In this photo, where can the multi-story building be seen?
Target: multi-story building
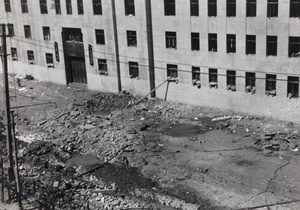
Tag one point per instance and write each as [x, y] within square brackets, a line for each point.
[241, 55]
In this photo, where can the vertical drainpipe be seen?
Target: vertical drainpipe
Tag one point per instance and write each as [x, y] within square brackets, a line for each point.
[150, 47]
[116, 44]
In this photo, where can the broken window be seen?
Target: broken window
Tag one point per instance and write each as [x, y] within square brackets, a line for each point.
[27, 32]
[250, 44]
[129, 7]
[231, 8]
[133, 69]
[270, 84]
[24, 6]
[231, 43]
[14, 53]
[131, 39]
[271, 45]
[102, 66]
[43, 6]
[100, 38]
[293, 87]
[30, 56]
[194, 7]
[250, 82]
[212, 43]
[195, 41]
[49, 60]
[97, 7]
[172, 72]
[212, 8]
[80, 7]
[196, 76]
[294, 46]
[10, 28]
[272, 8]
[213, 78]
[170, 39]
[69, 7]
[170, 7]
[251, 8]
[7, 6]
[57, 7]
[231, 79]
[295, 8]
[46, 33]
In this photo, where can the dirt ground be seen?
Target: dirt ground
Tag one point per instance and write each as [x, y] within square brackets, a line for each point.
[151, 155]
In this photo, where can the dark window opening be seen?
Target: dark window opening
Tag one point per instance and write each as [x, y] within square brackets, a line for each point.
[102, 66]
[49, 60]
[271, 45]
[196, 76]
[250, 44]
[231, 8]
[24, 6]
[30, 56]
[27, 32]
[133, 69]
[212, 42]
[11, 31]
[80, 7]
[14, 53]
[250, 82]
[195, 41]
[46, 33]
[194, 7]
[213, 78]
[57, 7]
[97, 7]
[129, 7]
[172, 72]
[43, 6]
[7, 6]
[251, 8]
[231, 43]
[294, 46]
[69, 7]
[171, 39]
[271, 84]
[170, 7]
[295, 8]
[131, 39]
[73, 35]
[100, 38]
[231, 80]
[212, 8]
[293, 87]
[272, 8]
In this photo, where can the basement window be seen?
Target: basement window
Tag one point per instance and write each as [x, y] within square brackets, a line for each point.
[251, 8]
[170, 7]
[69, 7]
[231, 80]
[49, 60]
[172, 72]
[11, 31]
[14, 54]
[212, 8]
[195, 41]
[194, 7]
[271, 84]
[7, 5]
[27, 31]
[212, 43]
[57, 7]
[133, 69]
[24, 6]
[272, 8]
[80, 7]
[97, 7]
[100, 38]
[102, 66]
[231, 8]
[131, 39]
[293, 87]
[295, 8]
[213, 78]
[196, 76]
[30, 56]
[129, 7]
[294, 46]
[170, 39]
[43, 6]
[231, 42]
[250, 82]
[250, 44]
[271, 45]
[46, 33]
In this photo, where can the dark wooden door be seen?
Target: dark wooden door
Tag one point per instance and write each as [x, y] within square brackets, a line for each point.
[78, 71]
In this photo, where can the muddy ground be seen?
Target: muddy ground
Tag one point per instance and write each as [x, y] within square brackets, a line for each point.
[81, 149]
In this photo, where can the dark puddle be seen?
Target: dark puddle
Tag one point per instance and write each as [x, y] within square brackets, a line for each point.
[82, 160]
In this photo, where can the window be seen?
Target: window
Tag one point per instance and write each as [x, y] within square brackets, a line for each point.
[194, 7]
[212, 8]
[250, 44]
[251, 8]
[57, 7]
[293, 87]
[271, 45]
[172, 72]
[170, 39]
[46, 33]
[49, 60]
[10, 30]
[231, 43]
[294, 46]
[213, 78]
[14, 53]
[212, 43]
[80, 7]
[97, 7]
[43, 6]
[133, 69]
[100, 38]
[231, 79]
[131, 39]
[250, 82]
[272, 8]
[102, 66]
[129, 7]
[295, 8]
[270, 84]
[196, 76]
[170, 7]
[195, 41]
[27, 32]
[24, 6]
[231, 8]
[69, 7]
[30, 56]
[7, 6]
